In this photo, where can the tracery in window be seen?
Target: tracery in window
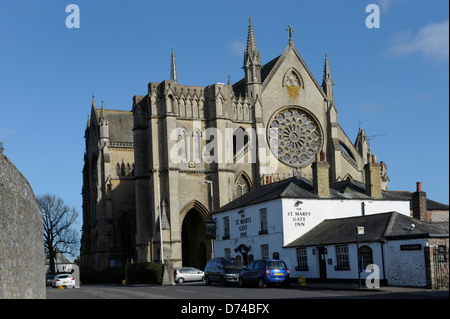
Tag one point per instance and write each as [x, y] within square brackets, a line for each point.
[292, 80]
[293, 84]
[242, 186]
[295, 136]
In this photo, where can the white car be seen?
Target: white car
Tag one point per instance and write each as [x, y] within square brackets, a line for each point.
[188, 274]
[63, 280]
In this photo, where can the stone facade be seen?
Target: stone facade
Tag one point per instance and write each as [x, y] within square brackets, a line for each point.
[22, 258]
[109, 220]
[185, 135]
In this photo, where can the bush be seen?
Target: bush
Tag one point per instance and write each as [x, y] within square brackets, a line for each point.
[145, 273]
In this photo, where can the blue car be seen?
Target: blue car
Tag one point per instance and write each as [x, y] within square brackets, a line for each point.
[265, 272]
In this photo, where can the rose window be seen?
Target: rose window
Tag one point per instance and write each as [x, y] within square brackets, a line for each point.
[295, 136]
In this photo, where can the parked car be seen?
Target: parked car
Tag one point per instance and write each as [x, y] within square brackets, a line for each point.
[188, 274]
[63, 280]
[264, 272]
[49, 280]
[223, 270]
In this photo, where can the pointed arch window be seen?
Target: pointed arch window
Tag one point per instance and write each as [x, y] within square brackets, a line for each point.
[118, 170]
[242, 186]
[184, 145]
[122, 170]
[197, 136]
[292, 79]
[241, 144]
[293, 83]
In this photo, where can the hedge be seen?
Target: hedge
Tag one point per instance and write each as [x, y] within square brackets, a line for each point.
[145, 273]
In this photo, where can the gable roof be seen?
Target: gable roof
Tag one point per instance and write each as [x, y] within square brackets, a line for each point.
[269, 69]
[298, 187]
[377, 227]
[279, 61]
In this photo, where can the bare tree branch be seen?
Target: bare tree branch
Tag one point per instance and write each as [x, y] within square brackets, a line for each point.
[58, 219]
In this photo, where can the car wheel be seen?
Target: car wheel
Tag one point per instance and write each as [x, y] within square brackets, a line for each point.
[207, 282]
[261, 283]
[180, 280]
[241, 282]
[222, 281]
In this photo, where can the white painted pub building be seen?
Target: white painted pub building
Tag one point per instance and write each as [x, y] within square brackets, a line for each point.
[290, 220]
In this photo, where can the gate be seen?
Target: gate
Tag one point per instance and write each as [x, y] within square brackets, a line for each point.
[439, 266]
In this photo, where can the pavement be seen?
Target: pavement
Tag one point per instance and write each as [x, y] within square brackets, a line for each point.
[352, 286]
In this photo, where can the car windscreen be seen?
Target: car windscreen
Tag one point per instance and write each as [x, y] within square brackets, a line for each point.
[232, 264]
[276, 265]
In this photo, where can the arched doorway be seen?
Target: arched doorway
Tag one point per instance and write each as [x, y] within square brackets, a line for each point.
[196, 249]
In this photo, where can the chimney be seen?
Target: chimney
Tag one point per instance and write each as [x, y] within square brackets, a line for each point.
[419, 203]
[321, 180]
[372, 172]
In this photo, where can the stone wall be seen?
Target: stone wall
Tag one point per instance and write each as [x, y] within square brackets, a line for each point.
[22, 260]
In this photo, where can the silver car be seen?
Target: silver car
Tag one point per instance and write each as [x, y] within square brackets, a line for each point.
[188, 274]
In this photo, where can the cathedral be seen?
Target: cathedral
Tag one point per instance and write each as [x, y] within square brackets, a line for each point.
[153, 176]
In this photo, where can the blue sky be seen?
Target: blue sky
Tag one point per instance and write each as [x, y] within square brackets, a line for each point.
[392, 81]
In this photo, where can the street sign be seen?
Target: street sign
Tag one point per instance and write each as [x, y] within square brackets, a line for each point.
[360, 230]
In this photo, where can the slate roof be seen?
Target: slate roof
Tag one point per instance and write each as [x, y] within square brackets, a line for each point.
[120, 125]
[377, 227]
[239, 87]
[298, 187]
[431, 204]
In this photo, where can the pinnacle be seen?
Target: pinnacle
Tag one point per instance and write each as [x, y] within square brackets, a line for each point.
[251, 42]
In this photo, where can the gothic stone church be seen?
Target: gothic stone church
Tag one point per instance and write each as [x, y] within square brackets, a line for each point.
[154, 172]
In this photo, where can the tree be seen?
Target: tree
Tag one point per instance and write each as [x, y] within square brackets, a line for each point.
[58, 220]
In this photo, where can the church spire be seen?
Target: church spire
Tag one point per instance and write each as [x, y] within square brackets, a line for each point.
[173, 68]
[252, 59]
[327, 82]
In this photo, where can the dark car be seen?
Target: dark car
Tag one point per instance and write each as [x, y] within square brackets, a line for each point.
[264, 272]
[224, 270]
[49, 280]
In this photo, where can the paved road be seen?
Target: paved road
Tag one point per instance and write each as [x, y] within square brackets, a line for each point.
[201, 291]
[195, 300]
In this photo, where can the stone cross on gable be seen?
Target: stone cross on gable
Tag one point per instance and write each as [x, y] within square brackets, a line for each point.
[290, 33]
